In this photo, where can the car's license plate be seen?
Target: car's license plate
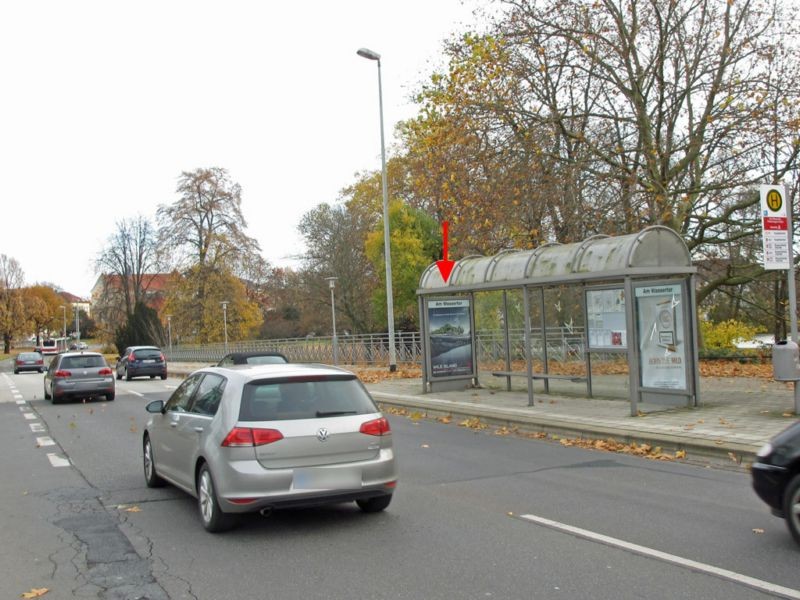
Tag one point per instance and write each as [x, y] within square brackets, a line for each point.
[149, 360]
[327, 479]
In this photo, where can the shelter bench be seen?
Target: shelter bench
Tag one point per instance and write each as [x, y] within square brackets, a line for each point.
[575, 378]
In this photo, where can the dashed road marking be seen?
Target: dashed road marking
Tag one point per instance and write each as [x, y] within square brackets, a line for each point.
[57, 461]
[45, 441]
[37, 428]
[135, 393]
[20, 401]
[750, 582]
[29, 416]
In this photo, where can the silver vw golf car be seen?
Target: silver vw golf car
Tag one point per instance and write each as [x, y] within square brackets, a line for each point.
[254, 438]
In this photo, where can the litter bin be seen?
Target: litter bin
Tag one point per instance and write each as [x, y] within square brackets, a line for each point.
[785, 361]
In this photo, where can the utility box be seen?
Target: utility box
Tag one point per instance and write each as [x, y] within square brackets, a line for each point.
[785, 361]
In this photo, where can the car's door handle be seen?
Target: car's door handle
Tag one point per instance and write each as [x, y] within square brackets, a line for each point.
[199, 429]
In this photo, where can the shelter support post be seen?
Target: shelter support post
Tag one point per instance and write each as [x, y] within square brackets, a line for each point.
[526, 306]
[633, 348]
[506, 339]
[545, 361]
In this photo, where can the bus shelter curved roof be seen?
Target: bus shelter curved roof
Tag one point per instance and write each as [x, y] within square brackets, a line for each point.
[654, 251]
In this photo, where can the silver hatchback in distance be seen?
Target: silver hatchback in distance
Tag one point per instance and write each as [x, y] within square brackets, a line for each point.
[254, 438]
[78, 375]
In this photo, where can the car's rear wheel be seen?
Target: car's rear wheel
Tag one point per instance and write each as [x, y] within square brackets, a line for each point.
[16, 372]
[163, 377]
[791, 507]
[127, 375]
[46, 395]
[214, 520]
[118, 376]
[110, 397]
[151, 477]
[377, 504]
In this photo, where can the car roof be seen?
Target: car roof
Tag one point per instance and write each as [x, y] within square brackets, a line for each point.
[254, 353]
[80, 353]
[247, 373]
[143, 348]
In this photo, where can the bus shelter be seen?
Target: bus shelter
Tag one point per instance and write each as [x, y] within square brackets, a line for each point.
[633, 294]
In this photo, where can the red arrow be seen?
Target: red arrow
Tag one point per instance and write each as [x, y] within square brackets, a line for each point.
[445, 266]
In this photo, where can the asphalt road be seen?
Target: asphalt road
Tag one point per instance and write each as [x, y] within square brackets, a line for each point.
[466, 521]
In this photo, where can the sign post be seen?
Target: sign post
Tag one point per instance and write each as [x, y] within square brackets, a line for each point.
[778, 240]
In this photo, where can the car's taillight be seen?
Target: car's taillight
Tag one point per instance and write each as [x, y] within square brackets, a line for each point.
[131, 357]
[376, 427]
[104, 371]
[40, 362]
[162, 358]
[20, 362]
[246, 436]
[63, 373]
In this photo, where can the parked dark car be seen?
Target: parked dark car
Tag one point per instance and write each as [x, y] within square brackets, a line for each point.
[78, 375]
[28, 361]
[142, 361]
[252, 358]
[776, 477]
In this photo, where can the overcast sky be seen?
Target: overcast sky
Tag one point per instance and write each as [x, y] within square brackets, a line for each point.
[104, 104]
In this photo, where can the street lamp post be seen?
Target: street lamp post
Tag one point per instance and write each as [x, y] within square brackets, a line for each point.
[77, 324]
[225, 322]
[169, 334]
[332, 284]
[371, 55]
[64, 314]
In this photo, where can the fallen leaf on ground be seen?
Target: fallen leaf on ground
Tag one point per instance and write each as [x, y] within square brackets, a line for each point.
[734, 458]
[680, 454]
[473, 423]
[424, 446]
[445, 420]
[35, 593]
[788, 414]
[758, 530]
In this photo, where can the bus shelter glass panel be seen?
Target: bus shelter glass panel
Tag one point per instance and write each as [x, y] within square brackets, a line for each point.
[662, 336]
[605, 311]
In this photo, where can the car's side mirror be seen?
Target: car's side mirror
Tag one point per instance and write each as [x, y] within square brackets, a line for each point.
[156, 406]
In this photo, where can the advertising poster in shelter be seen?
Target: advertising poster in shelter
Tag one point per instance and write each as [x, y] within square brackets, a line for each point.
[605, 310]
[662, 343]
[450, 335]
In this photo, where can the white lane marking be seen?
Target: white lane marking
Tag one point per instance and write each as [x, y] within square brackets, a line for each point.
[57, 461]
[45, 441]
[20, 401]
[24, 408]
[751, 582]
[37, 428]
[171, 387]
[135, 393]
[16, 395]
[29, 416]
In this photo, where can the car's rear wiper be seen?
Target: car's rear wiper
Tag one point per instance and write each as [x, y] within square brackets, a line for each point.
[335, 413]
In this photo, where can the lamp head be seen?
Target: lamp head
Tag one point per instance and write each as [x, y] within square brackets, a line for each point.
[369, 54]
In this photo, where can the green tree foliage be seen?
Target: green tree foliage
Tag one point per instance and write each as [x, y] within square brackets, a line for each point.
[143, 328]
[415, 243]
[335, 237]
[198, 318]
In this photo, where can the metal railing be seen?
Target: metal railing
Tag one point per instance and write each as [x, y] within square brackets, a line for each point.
[563, 344]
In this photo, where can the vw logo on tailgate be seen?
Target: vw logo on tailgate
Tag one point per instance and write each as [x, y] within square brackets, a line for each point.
[322, 434]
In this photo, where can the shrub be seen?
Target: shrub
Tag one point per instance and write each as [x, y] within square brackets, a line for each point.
[723, 335]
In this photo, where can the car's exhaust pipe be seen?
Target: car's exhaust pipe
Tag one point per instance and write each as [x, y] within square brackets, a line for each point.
[266, 511]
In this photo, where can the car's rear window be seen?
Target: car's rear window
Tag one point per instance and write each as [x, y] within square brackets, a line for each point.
[82, 362]
[48, 343]
[147, 353]
[30, 356]
[307, 398]
[265, 360]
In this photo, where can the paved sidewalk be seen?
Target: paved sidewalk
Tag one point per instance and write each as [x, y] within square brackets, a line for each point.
[736, 417]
